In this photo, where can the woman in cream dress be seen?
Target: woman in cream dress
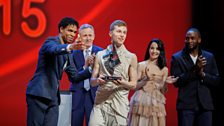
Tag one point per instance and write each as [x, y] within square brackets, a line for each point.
[148, 102]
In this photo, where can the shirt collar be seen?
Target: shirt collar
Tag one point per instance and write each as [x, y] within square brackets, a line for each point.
[90, 50]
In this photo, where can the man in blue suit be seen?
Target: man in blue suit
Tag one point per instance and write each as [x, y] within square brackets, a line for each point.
[42, 94]
[197, 72]
[83, 94]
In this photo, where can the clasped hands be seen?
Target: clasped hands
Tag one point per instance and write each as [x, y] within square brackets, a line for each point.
[201, 62]
[89, 60]
[169, 79]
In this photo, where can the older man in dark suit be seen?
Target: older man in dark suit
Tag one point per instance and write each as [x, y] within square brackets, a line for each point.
[197, 72]
[83, 93]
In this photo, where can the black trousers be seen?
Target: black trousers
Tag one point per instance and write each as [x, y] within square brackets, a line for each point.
[194, 118]
[41, 111]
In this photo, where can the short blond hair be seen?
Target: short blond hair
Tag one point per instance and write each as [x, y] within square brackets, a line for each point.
[117, 23]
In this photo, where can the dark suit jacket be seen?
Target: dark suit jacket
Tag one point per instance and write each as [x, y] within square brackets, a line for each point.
[51, 60]
[79, 63]
[193, 91]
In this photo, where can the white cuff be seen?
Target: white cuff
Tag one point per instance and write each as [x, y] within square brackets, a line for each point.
[68, 48]
[90, 69]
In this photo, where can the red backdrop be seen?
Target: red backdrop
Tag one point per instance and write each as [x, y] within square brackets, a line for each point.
[25, 24]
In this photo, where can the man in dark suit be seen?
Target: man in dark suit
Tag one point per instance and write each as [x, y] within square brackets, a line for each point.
[42, 94]
[83, 94]
[197, 72]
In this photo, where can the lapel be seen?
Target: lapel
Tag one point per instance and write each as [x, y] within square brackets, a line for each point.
[93, 49]
[187, 61]
[70, 58]
[80, 61]
[79, 57]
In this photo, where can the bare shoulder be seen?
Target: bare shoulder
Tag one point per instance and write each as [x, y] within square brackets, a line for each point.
[134, 59]
[141, 66]
[100, 53]
[142, 63]
[134, 56]
[165, 70]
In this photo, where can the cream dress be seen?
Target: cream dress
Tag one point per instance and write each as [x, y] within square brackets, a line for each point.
[148, 103]
[111, 105]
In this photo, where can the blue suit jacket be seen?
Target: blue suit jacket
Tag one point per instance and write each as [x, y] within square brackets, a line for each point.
[79, 63]
[51, 60]
[192, 89]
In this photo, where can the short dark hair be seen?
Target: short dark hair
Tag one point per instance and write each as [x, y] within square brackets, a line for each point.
[117, 23]
[67, 21]
[162, 57]
[195, 30]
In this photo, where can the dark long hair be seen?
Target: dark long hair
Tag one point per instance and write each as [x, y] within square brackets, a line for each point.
[161, 59]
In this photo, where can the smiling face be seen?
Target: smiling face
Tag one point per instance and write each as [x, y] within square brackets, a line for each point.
[68, 33]
[192, 40]
[87, 36]
[118, 35]
[154, 51]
